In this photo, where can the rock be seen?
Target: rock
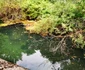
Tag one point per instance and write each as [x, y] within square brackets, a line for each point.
[4, 65]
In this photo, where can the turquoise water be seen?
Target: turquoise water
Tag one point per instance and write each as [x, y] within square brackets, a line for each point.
[33, 51]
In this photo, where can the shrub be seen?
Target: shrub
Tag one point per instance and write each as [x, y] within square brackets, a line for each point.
[10, 10]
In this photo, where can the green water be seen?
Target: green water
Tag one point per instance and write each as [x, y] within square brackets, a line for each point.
[33, 51]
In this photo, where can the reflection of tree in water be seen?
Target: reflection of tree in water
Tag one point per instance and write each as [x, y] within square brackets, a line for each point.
[75, 64]
[74, 55]
[14, 40]
[45, 45]
[3, 38]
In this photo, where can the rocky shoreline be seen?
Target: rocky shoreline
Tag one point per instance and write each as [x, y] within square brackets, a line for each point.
[5, 65]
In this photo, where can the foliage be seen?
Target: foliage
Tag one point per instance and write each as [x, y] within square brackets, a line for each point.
[36, 9]
[61, 18]
[52, 16]
[79, 41]
[10, 10]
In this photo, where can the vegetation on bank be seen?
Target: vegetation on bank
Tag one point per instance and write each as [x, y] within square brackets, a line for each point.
[53, 17]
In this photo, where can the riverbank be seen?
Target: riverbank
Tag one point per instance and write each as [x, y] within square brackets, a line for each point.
[77, 35]
[5, 65]
[24, 22]
[29, 25]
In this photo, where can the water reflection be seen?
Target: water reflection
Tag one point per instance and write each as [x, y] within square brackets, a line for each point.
[35, 52]
[12, 39]
[37, 62]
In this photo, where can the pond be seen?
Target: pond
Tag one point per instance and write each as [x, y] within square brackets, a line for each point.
[33, 51]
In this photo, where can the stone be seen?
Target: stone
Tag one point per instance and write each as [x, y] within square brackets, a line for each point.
[5, 65]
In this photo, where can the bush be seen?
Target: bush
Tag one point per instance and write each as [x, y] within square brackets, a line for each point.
[10, 10]
[59, 13]
[36, 9]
